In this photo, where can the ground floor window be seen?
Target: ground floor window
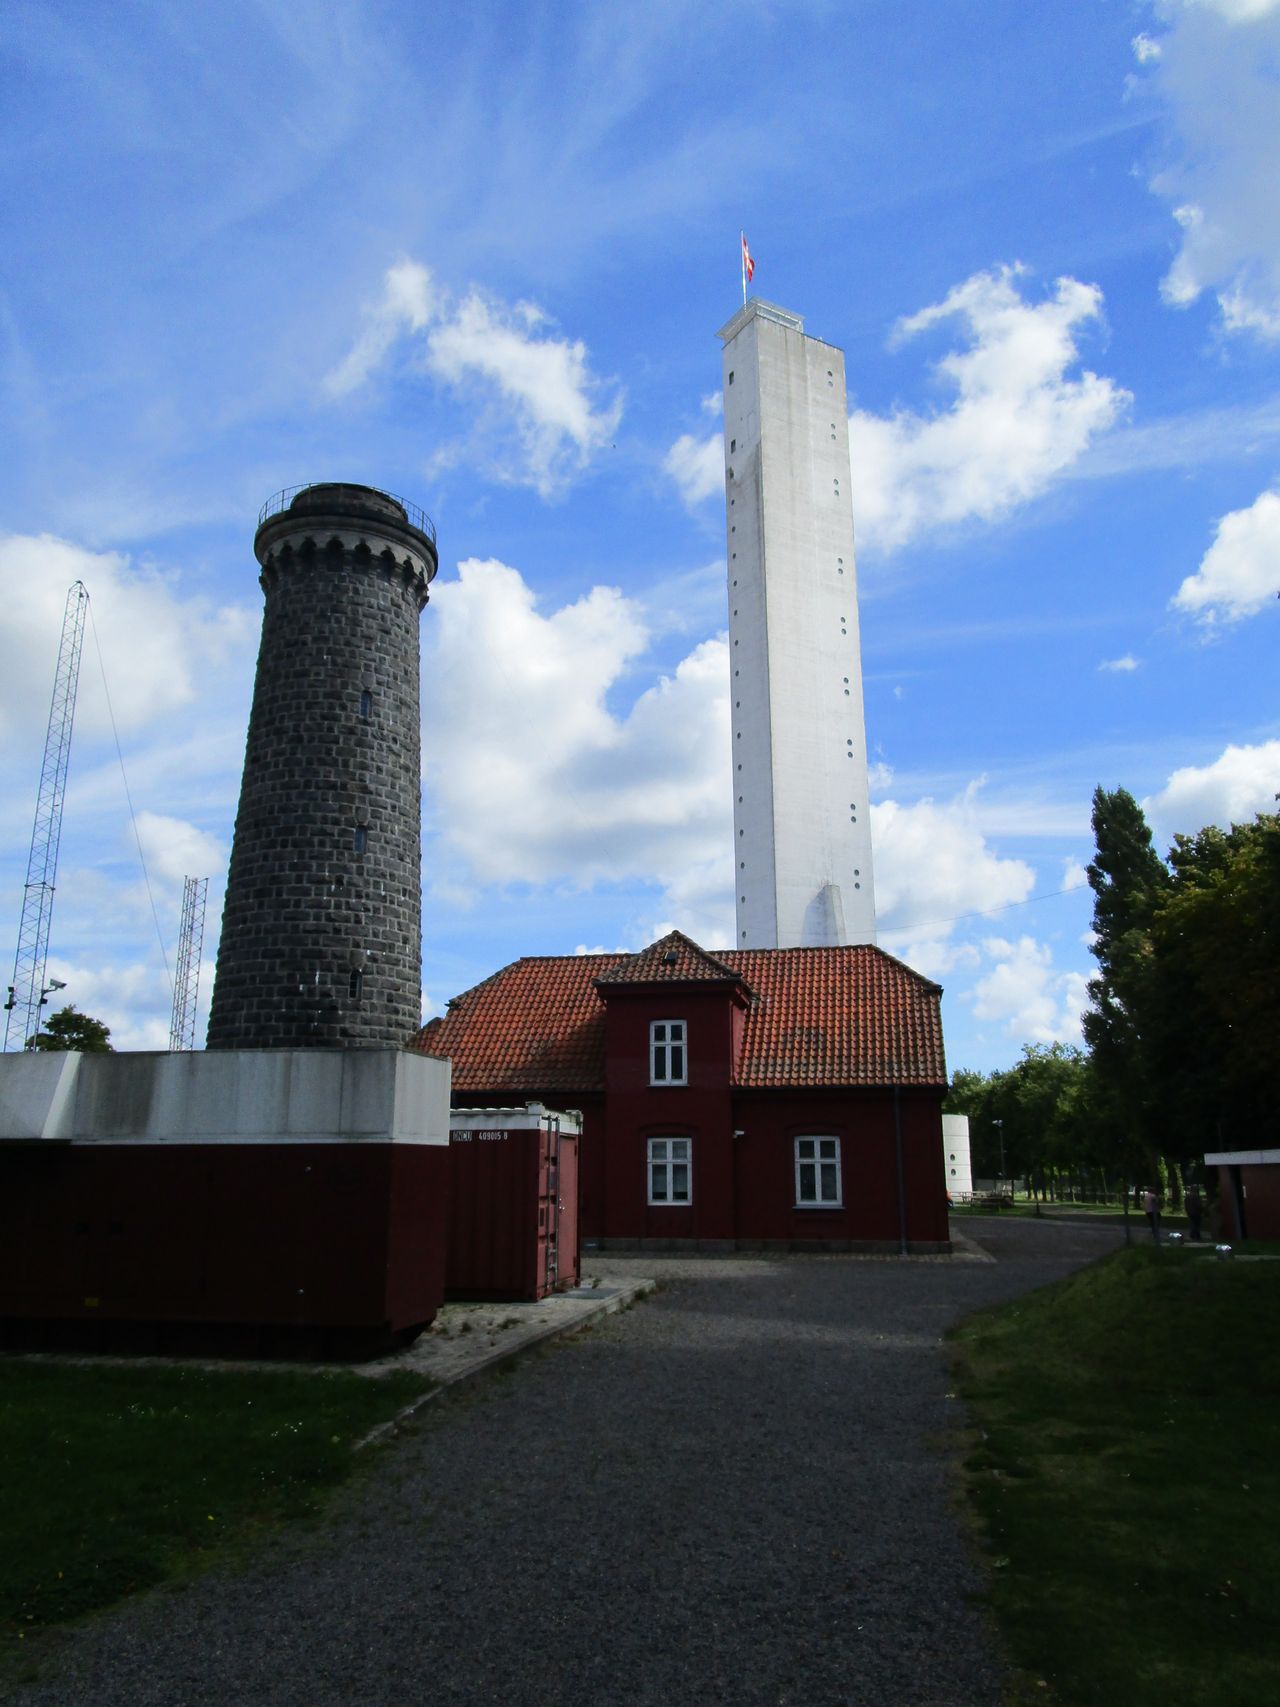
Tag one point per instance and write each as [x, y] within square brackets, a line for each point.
[670, 1173]
[818, 1173]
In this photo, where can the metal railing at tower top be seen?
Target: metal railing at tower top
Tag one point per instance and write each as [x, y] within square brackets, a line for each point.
[281, 501]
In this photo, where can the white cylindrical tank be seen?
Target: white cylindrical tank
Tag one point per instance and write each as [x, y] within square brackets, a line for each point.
[955, 1157]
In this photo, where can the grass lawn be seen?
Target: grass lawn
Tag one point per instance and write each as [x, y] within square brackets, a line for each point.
[120, 1478]
[1125, 1474]
[1026, 1206]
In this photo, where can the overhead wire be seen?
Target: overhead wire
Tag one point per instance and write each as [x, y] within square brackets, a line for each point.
[989, 912]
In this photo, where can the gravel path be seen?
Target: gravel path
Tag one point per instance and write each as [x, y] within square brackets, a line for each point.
[733, 1493]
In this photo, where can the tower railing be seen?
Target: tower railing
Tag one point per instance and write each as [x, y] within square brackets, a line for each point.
[280, 501]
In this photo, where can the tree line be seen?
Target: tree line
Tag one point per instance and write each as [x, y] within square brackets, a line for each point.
[1182, 1028]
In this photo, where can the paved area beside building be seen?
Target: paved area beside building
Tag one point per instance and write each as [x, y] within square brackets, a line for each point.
[737, 1492]
[468, 1340]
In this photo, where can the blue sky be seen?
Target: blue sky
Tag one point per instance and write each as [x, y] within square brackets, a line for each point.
[478, 256]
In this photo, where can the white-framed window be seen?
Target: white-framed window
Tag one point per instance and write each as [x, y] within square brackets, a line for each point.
[667, 1061]
[671, 1171]
[818, 1173]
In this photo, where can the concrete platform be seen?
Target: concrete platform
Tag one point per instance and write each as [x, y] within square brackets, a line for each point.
[466, 1340]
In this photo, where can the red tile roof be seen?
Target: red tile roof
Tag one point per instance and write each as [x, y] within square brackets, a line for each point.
[837, 1016]
[816, 1016]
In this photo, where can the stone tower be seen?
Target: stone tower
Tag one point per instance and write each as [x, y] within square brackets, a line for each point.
[802, 830]
[322, 928]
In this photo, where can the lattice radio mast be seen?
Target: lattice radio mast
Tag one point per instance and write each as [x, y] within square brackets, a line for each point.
[186, 984]
[28, 992]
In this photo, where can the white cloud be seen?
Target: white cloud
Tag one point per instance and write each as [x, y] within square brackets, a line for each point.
[1234, 11]
[528, 383]
[697, 467]
[155, 645]
[1216, 74]
[1240, 572]
[699, 902]
[1034, 813]
[1017, 421]
[532, 777]
[1024, 994]
[134, 999]
[175, 849]
[1120, 666]
[1074, 875]
[543, 382]
[409, 304]
[933, 867]
[1240, 782]
[1145, 48]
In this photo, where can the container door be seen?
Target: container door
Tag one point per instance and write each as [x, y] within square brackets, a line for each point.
[567, 1213]
[548, 1215]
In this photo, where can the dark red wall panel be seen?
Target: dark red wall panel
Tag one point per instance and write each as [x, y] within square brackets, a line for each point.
[331, 1236]
[1260, 1183]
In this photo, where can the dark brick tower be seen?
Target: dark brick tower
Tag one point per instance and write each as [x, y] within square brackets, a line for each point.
[322, 927]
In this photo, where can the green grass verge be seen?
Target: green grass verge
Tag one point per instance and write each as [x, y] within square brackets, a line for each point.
[1025, 1206]
[117, 1479]
[1125, 1473]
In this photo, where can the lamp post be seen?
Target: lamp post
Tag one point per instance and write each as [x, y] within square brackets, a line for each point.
[53, 984]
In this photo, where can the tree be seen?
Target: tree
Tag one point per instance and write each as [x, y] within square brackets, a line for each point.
[70, 1029]
[1122, 1026]
[976, 1094]
[1216, 941]
[1031, 1119]
[967, 1092]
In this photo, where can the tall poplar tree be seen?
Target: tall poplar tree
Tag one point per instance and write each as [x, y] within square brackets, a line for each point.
[1125, 1021]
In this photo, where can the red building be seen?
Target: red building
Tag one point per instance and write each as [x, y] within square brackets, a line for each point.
[1249, 1192]
[760, 1098]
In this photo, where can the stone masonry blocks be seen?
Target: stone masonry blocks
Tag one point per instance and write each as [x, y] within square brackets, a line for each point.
[321, 941]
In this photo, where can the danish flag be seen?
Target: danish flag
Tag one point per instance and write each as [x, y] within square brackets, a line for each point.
[748, 265]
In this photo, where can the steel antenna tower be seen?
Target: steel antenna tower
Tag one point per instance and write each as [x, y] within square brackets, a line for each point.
[27, 992]
[186, 983]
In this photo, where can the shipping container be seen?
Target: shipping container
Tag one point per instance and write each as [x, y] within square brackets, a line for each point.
[513, 1203]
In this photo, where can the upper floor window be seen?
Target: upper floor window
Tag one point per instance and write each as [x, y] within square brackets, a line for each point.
[818, 1173]
[667, 1065]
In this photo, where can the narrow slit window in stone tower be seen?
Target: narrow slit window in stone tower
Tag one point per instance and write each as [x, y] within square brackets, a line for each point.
[366, 705]
[361, 838]
[356, 985]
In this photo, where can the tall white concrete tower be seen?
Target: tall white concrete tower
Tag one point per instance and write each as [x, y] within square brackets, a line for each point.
[802, 829]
